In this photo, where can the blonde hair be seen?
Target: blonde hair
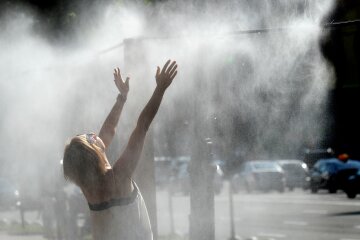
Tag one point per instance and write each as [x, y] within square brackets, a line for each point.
[83, 162]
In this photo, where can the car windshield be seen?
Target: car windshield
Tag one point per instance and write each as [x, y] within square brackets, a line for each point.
[292, 167]
[333, 167]
[353, 164]
[265, 165]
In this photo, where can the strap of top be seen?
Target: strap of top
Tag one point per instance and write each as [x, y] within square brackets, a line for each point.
[115, 202]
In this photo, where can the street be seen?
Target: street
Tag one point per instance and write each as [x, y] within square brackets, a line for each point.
[293, 215]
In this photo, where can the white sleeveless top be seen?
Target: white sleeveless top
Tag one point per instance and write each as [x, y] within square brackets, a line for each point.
[121, 219]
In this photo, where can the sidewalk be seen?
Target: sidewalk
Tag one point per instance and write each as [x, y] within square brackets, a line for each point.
[5, 236]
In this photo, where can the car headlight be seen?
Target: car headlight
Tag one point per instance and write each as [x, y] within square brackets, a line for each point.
[304, 166]
[16, 193]
[219, 171]
[352, 178]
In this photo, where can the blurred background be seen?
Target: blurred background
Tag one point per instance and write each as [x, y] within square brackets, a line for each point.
[265, 90]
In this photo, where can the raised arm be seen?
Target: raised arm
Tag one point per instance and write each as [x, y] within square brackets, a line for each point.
[126, 164]
[108, 128]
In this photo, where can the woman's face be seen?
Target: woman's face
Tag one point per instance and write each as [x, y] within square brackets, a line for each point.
[92, 139]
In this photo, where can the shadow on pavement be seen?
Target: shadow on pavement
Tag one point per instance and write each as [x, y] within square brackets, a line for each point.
[344, 214]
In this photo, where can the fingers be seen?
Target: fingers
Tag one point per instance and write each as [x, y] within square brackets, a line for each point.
[165, 66]
[117, 71]
[170, 67]
[127, 82]
[173, 76]
[117, 75]
[168, 71]
[157, 71]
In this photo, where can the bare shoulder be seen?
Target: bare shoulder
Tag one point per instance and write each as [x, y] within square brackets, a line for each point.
[123, 186]
[100, 192]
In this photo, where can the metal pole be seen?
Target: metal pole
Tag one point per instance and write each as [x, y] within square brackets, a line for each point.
[172, 228]
[22, 217]
[202, 222]
[232, 222]
[332, 25]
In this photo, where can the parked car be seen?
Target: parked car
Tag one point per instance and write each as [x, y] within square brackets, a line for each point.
[182, 180]
[262, 175]
[351, 180]
[311, 156]
[330, 174]
[296, 174]
[165, 172]
[353, 186]
[8, 194]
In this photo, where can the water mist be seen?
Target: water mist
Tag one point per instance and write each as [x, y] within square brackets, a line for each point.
[259, 94]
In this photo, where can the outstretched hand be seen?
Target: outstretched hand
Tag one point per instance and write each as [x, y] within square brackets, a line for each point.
[165, 76]
[120, 84]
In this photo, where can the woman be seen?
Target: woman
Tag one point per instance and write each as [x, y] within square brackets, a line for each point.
[116, 206]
